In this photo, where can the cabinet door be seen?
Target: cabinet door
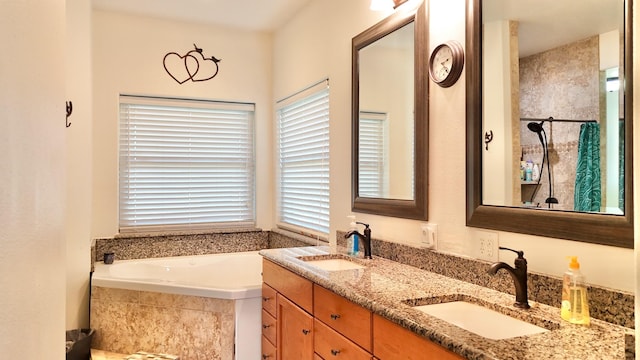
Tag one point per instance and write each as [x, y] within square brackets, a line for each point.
[391, 341]
[294, 331]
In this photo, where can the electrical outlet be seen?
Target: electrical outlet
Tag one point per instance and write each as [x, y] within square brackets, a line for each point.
[429, 236]
[488, 245]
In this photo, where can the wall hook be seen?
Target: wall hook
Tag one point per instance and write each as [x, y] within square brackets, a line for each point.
[69, 111]
[488, 137]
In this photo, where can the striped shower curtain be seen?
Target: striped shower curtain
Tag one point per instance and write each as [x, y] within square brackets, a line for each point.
[587, 195]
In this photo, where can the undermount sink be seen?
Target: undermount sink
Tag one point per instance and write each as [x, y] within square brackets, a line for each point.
[334, 262]
[480, 320]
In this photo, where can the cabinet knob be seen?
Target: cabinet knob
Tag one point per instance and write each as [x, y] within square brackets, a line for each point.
[305, 331]
[335, 352]
[335, 316]
[264, 298]
[266, 326]
[265, 356]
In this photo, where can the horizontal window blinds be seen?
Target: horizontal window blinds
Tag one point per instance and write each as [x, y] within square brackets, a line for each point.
[185, 163]
[304, 161]
[372, 140]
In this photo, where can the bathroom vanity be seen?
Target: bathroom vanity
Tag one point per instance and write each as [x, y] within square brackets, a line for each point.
[322, 305]
[304, 320]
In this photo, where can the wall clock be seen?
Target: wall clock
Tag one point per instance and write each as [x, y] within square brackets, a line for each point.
[446, 63]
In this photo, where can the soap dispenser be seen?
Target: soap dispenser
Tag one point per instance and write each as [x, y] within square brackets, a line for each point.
[352, 241]
[575, 305]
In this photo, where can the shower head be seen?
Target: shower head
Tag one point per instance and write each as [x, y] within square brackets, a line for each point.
[535, 127]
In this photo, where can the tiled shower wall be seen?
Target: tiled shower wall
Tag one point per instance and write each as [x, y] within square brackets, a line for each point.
[547, 89]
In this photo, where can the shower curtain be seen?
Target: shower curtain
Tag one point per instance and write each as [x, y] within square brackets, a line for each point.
[587, 190]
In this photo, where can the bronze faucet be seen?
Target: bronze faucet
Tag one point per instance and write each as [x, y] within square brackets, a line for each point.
[366, 239]
[519, 275]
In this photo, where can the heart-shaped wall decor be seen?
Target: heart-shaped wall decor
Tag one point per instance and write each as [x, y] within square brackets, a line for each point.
[192, 66]
[208, 68]
[179, 68]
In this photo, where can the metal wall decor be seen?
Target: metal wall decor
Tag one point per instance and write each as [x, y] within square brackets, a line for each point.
[69, 106]
[192, 66]
[488, 137]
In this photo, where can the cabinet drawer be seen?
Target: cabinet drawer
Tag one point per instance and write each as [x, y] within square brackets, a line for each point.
[344, 316]
[331, 345]
[269, 327]
[392, 341]
[268, 350]
[269, 299]
[294, 287]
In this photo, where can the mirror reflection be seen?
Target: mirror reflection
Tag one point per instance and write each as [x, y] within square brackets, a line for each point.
[552, 72]
[386, 116]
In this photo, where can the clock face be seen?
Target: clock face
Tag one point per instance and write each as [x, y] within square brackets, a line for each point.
[442, 63]
[446, 62]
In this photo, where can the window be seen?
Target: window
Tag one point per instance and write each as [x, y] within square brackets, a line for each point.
[372, 173]
[185, 164]
[303, 124]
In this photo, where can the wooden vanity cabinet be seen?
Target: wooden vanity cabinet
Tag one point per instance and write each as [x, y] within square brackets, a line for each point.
[392, 341]
[269, 323]
[315, 323]
[287, 301]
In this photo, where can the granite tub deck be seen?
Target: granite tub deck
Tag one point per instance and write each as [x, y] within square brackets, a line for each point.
[389, 289]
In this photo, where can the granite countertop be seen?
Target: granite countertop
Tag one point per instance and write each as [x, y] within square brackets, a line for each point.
[389, 289]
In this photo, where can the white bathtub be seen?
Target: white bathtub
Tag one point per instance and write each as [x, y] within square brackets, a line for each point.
[235, 276]
[222, 276]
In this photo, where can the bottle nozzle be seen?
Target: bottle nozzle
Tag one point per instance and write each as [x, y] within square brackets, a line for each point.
[573, 263]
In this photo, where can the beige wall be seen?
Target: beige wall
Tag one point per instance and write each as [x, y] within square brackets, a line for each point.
[32, 174]
[127, 59]
[79, 142]
[306, 50]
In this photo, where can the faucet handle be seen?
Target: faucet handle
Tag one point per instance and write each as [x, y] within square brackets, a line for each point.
[519, 252]
[366, 226]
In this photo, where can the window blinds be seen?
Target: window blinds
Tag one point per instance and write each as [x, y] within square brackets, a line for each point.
[304, 161]
[372, 140]
[184, 164]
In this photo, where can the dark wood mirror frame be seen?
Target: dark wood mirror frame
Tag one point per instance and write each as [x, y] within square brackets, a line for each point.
[613, 230]
[416, 208]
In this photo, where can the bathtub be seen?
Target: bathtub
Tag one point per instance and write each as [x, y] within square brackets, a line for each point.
[234, 277]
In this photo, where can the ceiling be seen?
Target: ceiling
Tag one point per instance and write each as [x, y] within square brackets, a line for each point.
[257, 15]
[546, 24]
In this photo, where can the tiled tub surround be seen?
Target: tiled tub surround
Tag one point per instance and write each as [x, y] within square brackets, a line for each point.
[384, 287]
[142, 246]
[197, 328]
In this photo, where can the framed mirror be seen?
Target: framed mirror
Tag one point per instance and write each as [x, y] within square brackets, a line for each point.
[390, 116]
[549, 119]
